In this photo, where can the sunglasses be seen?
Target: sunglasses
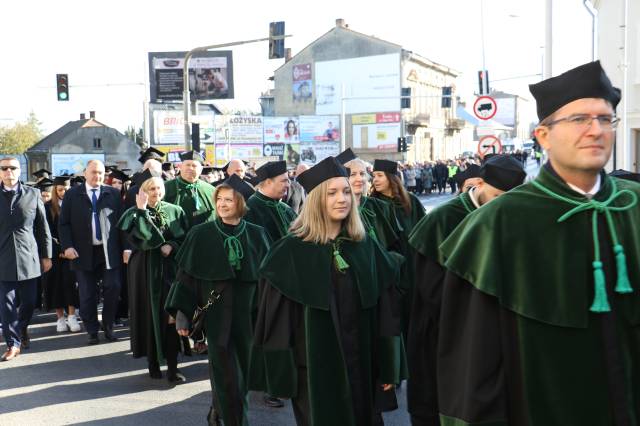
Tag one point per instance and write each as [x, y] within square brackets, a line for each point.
[5, 168]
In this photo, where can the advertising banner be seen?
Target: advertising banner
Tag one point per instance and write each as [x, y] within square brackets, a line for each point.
[312, 153]
[302, 83]
[210, 75]
[292, 154]
[245, 129]
[245, 152]
[281, 129]
[70, 164]
[173, 152]
[376, 131]
[319, 128]
[273, 150]
[169, 128]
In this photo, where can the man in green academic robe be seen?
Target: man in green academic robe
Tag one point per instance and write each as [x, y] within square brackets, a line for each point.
[497, 175]
[188, 191]
[540, 316]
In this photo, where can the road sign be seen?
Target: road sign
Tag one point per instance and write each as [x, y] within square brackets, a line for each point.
[489, 145]
[485, 107]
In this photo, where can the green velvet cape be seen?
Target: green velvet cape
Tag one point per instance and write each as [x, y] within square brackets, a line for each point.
[263, 214]
[176, 192]
[516, 307]
[379, 218]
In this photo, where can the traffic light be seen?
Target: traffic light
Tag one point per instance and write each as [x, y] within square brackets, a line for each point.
[446, 97]
[402, 144]
[483, 82]
[405, 102]
[62, 86]
[276, 47]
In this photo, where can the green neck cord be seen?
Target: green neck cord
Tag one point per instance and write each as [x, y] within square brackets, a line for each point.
[340, 263]
[600, 302]
[368, 217]
[281, 209]
[465, 203]
[193, 188]
[232, 244]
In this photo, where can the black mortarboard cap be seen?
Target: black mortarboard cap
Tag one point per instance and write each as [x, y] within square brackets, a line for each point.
[472, 171]
[345, 156]
[151, 153]
[44, 184]
[586, 81]
[167, 166]
[139, 178]
[324, 170]
[385, 166]
[77, 180]
[207, 170]
[192, 155]
[41, 173]
[239, 185]
[625, 174]
[270, 169]
[503, 172]
[120, 175]
[62, 180]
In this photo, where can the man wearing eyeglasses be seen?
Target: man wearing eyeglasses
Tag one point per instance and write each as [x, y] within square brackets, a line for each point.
[25, 253]
[541, 327]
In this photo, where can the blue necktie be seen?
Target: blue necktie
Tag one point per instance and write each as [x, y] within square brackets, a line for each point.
[94, 209]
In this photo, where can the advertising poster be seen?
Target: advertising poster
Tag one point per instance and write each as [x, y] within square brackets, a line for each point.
[222, 155]
[245, 129]
[302, 83]
[273, 150]
[245, 152]
[169, 128]
[292, 155]
[376, 131]
[374, 80]
[281, 129]
[319, 128]
[71, 164]
[210, 75]
[173, 152]
[312, 153]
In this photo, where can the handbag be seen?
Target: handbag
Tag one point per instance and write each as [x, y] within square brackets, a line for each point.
[199, 315]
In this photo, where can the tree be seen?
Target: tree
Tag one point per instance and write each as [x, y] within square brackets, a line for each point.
[137, 137]
[21, 136]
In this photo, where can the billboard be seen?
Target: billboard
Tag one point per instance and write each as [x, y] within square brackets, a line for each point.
[292, 154]
[169, 129]
[312, 153]
[173, 152]
[319, 128]
[210, 75]
[376, 131]
[302, 83]
[71, 164]
[245, 129]
[281, 129]
[273, 150]
[375, 79]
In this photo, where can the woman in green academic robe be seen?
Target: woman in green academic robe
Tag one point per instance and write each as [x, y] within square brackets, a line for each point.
[219, 262]
[409, 210]
[326, 312]
[155, 230]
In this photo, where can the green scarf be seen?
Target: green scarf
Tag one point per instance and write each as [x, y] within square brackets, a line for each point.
[193, 189]
[232, 244]
[158, 216]
[600, 302]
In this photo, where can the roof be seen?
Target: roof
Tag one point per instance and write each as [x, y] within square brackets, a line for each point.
[64, 131]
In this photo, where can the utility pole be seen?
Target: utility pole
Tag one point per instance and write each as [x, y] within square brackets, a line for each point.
[548, 39]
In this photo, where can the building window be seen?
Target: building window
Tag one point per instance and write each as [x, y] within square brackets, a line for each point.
[97, 143]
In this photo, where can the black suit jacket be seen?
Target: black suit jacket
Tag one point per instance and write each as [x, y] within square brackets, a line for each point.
[74, 226]
[24, 235]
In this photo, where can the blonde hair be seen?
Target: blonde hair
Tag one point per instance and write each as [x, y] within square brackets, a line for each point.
[313, 223]
[147, 183]
[241, 205]
[361, 163]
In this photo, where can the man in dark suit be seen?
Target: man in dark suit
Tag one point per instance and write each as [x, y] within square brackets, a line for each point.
[89, 236]
[25, 252]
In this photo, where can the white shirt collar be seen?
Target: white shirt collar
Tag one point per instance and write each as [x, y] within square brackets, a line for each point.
[593, 191]
[10, 188]
[472, 195]
[89, 188]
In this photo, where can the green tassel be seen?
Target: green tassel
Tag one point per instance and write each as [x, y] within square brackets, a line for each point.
[341, 264]
[600, 302]
[233, 259]
[372, 234]
[623, 285]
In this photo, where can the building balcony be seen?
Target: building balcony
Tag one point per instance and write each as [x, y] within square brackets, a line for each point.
[455, 124]
[418, 120]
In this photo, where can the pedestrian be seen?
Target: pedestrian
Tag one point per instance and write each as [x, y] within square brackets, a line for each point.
[499, 174]
[25, 252]
[418, 169]
[441, 173]
[427, 178]
[409, 210]
[155, 229]
[410, 178]
[90, 238]
[452, 169]
[321, 286]
[296, 195]
[60, 288]
[228, 274]
[559, 318]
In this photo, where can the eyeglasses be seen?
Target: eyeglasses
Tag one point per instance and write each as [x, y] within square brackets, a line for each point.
[5, 168]
[584, 121]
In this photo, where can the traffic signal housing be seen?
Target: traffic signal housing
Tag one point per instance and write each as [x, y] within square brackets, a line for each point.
[402, 144]
[276, 47]
[62, 86]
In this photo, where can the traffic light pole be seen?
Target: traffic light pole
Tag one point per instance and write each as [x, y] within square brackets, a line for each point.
[185, 70]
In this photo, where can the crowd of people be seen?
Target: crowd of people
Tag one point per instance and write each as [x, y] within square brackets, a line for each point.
[331, 286]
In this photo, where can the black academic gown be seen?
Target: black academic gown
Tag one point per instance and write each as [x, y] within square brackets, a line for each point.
[325, 338]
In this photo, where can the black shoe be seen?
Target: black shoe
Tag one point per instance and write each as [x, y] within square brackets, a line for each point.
[93, 339]
[213, 418]
[272, 401]
[108, 334]
[25, 342]
[176, 376]
[154, 373]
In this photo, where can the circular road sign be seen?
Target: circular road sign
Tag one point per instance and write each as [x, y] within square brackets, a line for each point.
[485, 107]
[489, 145]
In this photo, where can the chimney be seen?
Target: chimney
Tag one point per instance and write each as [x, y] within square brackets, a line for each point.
[82, 116]
[340, 23]
[287, 54]
[92, 114]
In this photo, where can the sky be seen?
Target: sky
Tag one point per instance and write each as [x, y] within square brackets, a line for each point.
[103, 46]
